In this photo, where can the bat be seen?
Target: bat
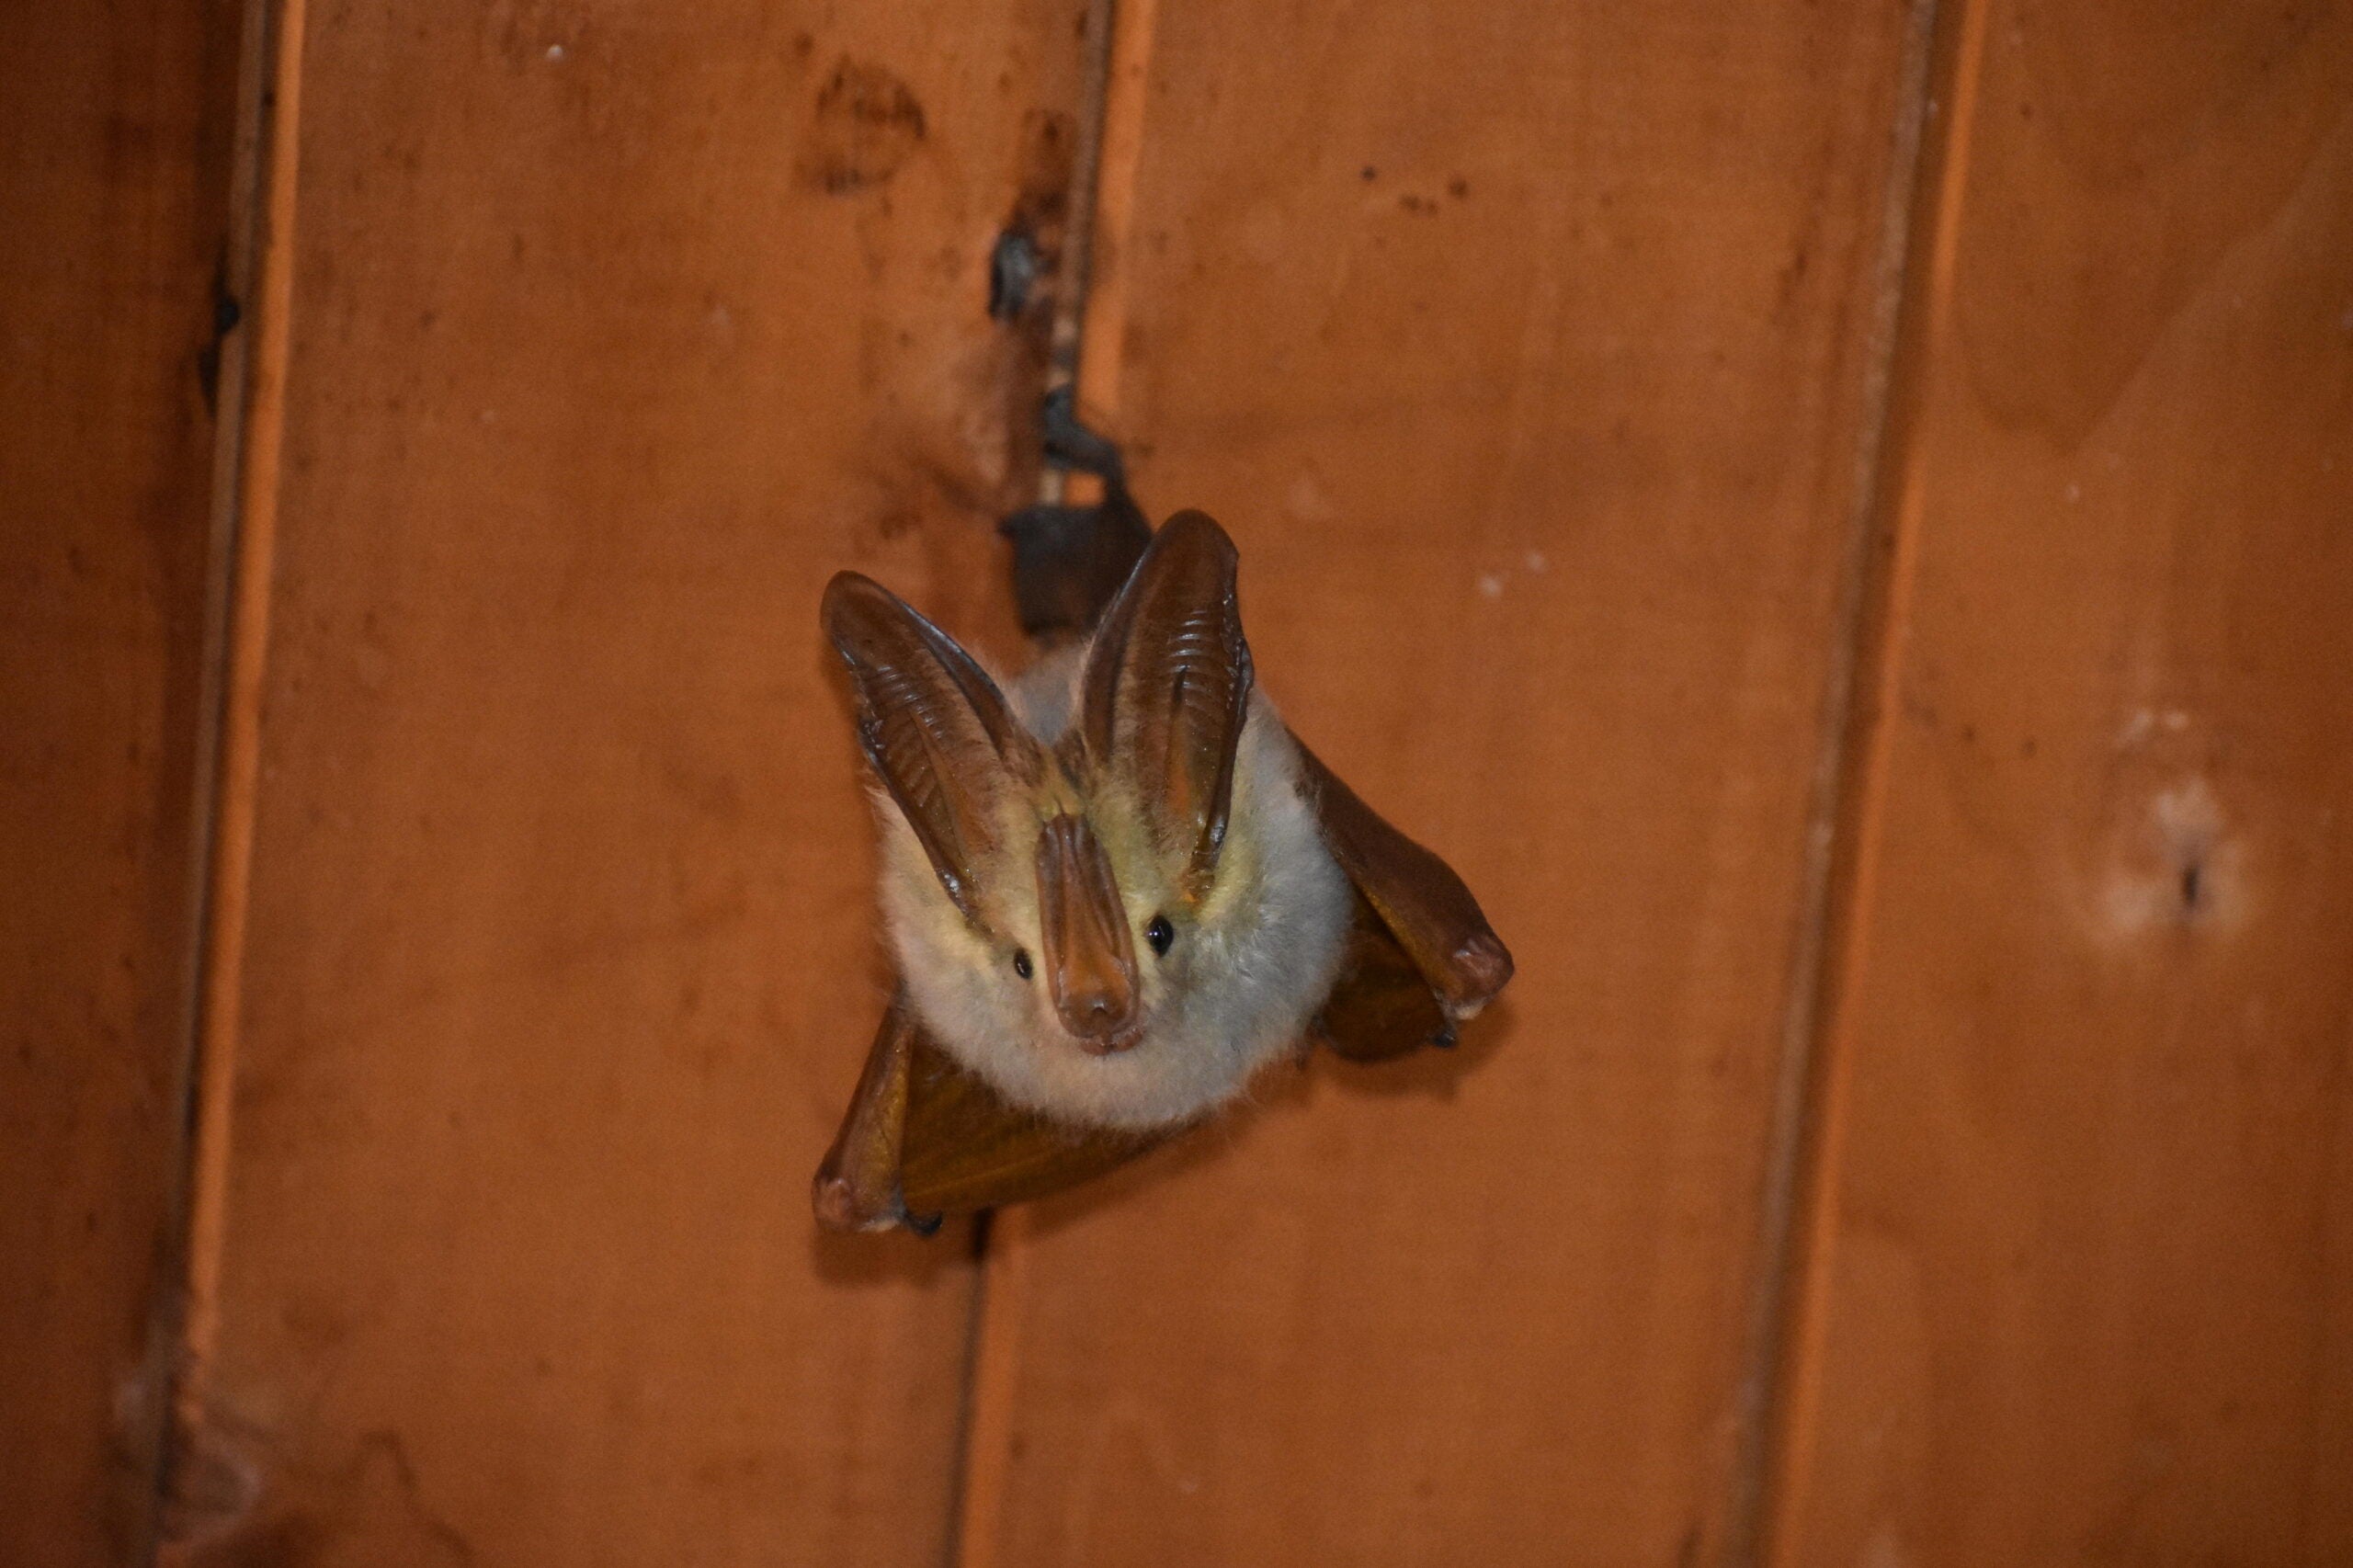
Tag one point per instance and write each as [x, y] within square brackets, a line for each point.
[1114, 889]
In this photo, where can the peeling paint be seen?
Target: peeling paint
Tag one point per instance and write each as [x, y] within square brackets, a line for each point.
[2177, 862]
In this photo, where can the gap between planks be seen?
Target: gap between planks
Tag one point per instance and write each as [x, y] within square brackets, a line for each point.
[246, 463]
[1090, 322]
[1920, 221]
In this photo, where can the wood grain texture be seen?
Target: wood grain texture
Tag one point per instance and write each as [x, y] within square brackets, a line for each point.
[613, 333]
[113, 207]
[2083, 1255]
[1520, 347]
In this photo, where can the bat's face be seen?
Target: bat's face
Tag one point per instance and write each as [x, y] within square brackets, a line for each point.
[1113, 903]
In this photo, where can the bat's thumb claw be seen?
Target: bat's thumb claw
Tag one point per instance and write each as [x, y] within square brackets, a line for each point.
[1481, 966]
[841, 1207]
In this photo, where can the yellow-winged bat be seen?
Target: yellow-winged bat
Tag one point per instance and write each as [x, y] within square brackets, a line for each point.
[1114, 891]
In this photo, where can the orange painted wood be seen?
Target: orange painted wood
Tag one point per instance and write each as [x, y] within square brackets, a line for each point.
[613, 331]
[1521, 347]
[113, 206]
[2083, 1271]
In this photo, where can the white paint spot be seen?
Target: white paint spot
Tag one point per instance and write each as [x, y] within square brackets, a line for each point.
[1308, 500]
[1537, 562]
[1491, 584]
[2143, 723]
[555, 52]
[2177, 864]
[1885, 1548]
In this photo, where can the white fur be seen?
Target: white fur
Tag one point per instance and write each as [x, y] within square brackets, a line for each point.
[1243, 978]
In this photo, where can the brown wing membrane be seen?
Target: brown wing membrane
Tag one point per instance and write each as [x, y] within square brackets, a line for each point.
[924, 1139]
[935, 726]
[1381, 1005]
[967, 1148]
[1167, 686]
[858, 1184]
[1413, 915]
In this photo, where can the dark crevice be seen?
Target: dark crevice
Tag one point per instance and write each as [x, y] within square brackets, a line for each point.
[1840, 783]
[959, 1464]
[226, 366]
[1012, 290]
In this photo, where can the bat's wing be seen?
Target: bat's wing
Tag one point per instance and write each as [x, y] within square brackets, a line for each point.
[1420, 955]
[923, 1139]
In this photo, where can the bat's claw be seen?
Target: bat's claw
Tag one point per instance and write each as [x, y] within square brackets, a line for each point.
[1482, 967]
[841, 1207]
[1069, 562]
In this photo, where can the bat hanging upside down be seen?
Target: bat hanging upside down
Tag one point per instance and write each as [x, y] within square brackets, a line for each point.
[1113, 893]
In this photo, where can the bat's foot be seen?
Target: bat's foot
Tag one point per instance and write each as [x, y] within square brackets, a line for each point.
[1069, 562]
[841, 1207]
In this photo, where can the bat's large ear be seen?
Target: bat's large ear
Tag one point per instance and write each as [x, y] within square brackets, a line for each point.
[935, 726]
[1167, 686]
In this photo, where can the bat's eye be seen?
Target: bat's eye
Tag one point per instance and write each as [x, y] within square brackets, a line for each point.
[1021, 962]
[1159, 933]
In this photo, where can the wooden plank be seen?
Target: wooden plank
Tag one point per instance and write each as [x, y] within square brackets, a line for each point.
[1522, 346]
[113, 208]
[613, 334]
[2082, 1250]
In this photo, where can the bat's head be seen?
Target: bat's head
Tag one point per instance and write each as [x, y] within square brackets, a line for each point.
[1110, 898]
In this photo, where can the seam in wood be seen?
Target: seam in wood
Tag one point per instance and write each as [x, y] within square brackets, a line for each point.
[242, 536]
[1118, 114]
[976, 1309]
[1078, 249]
[1090, 320]
[1925, 346]
[152, 1440]
[992, 1371]
[1846, 771]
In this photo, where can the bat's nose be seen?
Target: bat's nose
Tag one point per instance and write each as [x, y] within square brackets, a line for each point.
[1100, 1018]
[1091, 960]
